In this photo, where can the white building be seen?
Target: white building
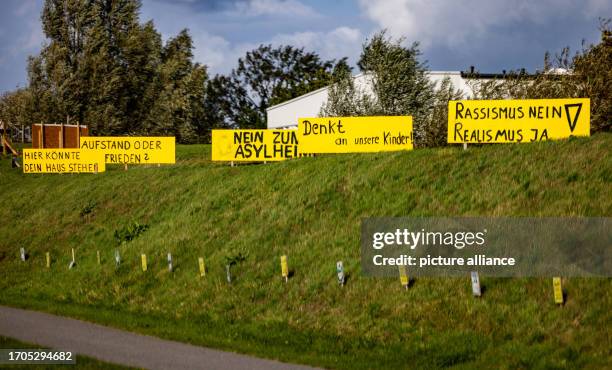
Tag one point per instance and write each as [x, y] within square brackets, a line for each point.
[286, 114]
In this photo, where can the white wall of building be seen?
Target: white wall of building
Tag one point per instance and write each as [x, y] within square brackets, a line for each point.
[286, 114]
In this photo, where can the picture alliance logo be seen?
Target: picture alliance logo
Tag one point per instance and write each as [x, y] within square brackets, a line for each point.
[414, 239]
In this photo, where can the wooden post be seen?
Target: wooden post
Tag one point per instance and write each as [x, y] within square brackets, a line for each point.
[62, 131]
[464, 146]
[73, 262]
[23, 134]
[2, 138]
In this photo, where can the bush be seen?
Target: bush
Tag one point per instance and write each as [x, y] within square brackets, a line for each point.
[129, 232]
[399, 86]
[588, 74]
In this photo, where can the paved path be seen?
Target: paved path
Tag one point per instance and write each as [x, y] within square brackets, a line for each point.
[121, 347]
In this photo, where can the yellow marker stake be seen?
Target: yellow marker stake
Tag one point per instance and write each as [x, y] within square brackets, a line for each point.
[98, 254]
[73, 259]
[403, 276]
[284, 268]
[558, 290]
[143, 258]
[48, 260]
[202, 267]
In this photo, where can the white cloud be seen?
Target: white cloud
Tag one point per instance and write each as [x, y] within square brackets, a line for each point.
[221, 56]
[459, 22]
[221, 38]
[31, 36]
[257, 8]
[211, 50]
[597, 8]
[335, 44]
[27, 7]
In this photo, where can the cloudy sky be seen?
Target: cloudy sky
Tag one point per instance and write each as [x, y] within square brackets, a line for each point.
[491, 34]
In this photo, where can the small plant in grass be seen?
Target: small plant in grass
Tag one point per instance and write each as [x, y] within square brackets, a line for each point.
[231, 259]
[87, 210]
[234, 258]
[129, 232]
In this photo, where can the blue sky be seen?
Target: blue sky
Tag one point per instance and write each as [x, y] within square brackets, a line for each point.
[492, 35]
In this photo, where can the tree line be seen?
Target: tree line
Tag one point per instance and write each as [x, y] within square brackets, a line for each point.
[400, 85]
[102, 67]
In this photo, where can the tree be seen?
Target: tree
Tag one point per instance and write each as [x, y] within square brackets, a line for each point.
[593, 70]
[228, 105]
[15, 108]
[399, 86]
[399, 79]
[42, 101]
[65, 24]
[587, 74]
[178, 109]
[344, 99]
[266, 76]
[103, 68]
[434, 129]
[121, 57]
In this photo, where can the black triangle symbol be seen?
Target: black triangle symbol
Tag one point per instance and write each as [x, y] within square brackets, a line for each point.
[572, 122]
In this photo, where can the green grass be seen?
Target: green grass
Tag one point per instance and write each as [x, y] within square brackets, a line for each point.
[311, 209]
[82, 362]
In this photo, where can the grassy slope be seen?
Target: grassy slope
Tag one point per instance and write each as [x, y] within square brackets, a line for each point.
[82, 362]
[310, 209]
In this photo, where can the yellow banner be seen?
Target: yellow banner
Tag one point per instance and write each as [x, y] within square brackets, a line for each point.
[355, 134]
[517, 121]
[254, 145]
[131, 150]
[61, 161]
